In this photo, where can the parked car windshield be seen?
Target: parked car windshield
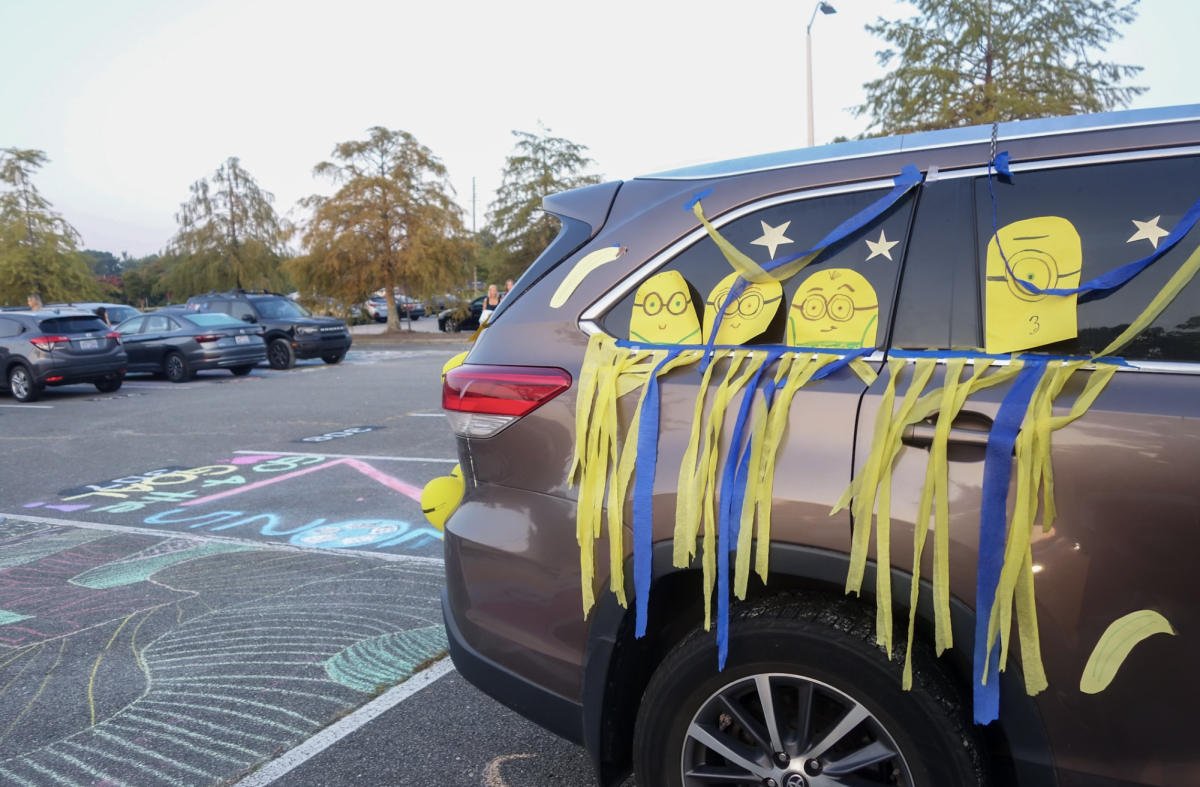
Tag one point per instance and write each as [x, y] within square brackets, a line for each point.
[211, 320]
[279, 308]
[72, 325]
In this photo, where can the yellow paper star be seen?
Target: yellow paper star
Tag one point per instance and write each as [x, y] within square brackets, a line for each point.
[772, 236]
[882, 246]
[1149, 230]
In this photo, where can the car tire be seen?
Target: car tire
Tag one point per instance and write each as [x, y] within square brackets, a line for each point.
[241, 371]
[21, 384]
[110, 384]
[280, 355]
[817, 647]
[451, 325]
[176, 367]
[335, 358]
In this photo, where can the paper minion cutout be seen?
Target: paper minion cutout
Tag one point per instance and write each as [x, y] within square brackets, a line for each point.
[1045, 252]
[663, 312]
[747, 316]
[834, 308]
[441, 496]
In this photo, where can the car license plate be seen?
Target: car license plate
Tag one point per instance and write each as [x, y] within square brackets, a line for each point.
[242, 339]
[89, 344]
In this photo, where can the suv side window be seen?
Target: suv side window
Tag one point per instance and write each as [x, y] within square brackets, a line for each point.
[800, 224]
[221, 307]
[241, 309]
[10, 328]
[1105, 202]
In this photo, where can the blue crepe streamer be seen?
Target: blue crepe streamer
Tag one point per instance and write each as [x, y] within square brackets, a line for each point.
[993, 520]
[699, 195]
[909, 176]
[944, 354]
[725, 539]
[643, 497]
[1105, 284]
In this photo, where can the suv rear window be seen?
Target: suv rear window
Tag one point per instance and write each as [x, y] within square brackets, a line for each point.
[70, 325]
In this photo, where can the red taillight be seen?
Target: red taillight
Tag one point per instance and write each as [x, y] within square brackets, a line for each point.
[53, 379]
[113, 335]
[481, 400]
[210, 337]
[49, 342]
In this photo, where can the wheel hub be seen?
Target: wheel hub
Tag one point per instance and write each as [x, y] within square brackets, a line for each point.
[794, 780]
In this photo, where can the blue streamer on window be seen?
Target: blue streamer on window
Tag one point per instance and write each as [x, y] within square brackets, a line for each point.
[909, 176]
[643, 497]
[1107, 283]
[993, 521]
[725, 537]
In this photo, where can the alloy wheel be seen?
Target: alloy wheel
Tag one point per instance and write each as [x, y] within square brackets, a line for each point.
[279, 356]
[174, 368]
[784, 730]
[18, 383]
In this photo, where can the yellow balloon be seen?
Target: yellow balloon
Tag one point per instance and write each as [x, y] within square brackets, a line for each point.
[748, 316]
[663, 312]
[441, 496]
[834, 308]
[454, 363]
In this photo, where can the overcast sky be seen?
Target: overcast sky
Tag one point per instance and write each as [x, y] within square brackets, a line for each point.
[133, 100]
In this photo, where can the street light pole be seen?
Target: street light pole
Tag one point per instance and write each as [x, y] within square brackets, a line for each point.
[824, 8]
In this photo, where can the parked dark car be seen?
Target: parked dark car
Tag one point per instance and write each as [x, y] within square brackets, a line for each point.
[451, 320]
[51, 347]
[411, 308]
[807, 697]
[117, 313]
[291, 331]
[177, 343]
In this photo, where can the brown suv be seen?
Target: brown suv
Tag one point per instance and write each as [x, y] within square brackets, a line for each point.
[807, 697]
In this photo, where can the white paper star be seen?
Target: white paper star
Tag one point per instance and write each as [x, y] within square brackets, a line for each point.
[1149, 230]
[882, 246]
[772, 236]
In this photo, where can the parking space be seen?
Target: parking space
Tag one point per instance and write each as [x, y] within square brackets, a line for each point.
[196, 578]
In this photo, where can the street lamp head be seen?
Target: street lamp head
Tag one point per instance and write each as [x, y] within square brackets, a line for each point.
[826, 8]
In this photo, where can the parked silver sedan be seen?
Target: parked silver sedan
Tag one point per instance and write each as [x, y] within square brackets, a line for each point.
[177, 343]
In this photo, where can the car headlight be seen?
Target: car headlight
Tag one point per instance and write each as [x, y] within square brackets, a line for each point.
[303, 331]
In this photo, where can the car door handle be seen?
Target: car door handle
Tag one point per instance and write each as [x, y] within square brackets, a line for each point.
[921, 435]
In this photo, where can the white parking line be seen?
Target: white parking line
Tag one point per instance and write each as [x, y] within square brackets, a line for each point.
[147, 531]
[351, 456]
[30, 406]
[426, 415]
[335, 732]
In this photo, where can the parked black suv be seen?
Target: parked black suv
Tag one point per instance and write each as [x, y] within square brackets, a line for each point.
[58, 347]
[290, 330]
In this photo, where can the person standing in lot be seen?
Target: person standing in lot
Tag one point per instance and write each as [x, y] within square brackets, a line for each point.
[490, 303]
[508, 285]
[34, 301]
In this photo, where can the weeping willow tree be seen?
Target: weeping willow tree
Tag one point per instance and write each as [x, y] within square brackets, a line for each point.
[229, 235]
[38, 249]
[392, 223]
[968, 62]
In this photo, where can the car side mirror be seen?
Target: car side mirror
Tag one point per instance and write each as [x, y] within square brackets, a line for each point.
[249, 318]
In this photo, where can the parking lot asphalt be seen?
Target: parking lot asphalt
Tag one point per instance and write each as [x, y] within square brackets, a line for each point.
[198, 578]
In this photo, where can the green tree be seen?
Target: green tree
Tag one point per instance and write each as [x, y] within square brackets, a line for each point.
[970, 62]
[229, 235]
[539, 165]
[392, 223]
[102, 263]
[38, 248]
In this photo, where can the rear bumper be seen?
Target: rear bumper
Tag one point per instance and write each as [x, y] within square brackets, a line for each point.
[73, 372]
[226, 357]
[545, 708]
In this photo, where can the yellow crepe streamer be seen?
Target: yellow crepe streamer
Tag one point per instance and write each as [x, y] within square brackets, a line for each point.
[748, 268]
[864, 371]
[803, 367]
[1158, 304]
[582, 268]
[708, 467]
[1116, 643]
[598, 349]
[618, 491]
[687, 507]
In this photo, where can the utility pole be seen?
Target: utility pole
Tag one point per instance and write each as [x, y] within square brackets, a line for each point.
[824, 8]
[474, 235]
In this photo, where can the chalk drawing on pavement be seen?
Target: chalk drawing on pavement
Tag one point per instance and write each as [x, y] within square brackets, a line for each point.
[338, 435]
[136, 659]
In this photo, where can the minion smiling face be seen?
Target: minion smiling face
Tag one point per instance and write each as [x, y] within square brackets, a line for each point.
[663, 312]
[747, 316]
[834, 308]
